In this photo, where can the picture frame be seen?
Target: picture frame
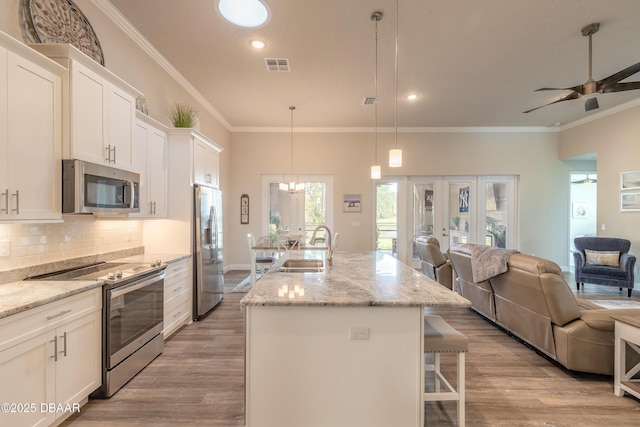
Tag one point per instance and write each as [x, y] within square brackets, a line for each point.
[630, 180]
[244, 209]
[579, 210]
[630, 202]
[352, 203]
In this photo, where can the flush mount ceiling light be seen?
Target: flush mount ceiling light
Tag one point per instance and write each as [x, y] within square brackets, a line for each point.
[244, 13]
[258, 44]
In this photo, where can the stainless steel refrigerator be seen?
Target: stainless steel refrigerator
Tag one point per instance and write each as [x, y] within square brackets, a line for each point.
[209, 279]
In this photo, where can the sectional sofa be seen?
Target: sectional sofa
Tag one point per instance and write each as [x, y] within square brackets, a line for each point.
[532, 301]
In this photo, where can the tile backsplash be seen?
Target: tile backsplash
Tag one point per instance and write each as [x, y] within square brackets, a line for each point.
[33, 244]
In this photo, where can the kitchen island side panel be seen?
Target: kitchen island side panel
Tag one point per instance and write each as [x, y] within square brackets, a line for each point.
[304, 367]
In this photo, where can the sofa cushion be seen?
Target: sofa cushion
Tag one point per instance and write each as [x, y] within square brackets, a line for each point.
[611, 258]
[603, 270]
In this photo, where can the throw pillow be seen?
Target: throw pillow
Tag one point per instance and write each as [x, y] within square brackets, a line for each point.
[611, 258]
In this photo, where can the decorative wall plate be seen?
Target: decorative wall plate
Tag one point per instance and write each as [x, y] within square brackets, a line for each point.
[60, 21]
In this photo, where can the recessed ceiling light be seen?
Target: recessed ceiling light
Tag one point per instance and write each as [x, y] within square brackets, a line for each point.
[258, 44]
[412, 97]
[244, 13]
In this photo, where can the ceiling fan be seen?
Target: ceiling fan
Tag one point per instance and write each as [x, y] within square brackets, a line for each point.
[606, 85]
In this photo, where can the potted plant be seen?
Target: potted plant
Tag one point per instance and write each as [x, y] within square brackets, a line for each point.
[183, 116]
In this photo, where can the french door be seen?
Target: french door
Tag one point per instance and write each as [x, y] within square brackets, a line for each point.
[476, 209]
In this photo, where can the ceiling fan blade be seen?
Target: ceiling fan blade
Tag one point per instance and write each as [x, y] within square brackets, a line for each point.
[613, 79]
[620, 87]
[570, 96]
[579, 89]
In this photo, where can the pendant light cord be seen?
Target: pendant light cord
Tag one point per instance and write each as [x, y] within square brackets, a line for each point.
[395, 113]
[377, 16]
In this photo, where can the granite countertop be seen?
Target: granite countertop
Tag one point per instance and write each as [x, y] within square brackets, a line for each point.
[23, 295]
[27, 294]
[355, 279]
[164, 258]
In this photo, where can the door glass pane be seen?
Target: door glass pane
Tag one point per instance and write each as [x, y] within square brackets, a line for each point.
[302, 211]
[423, 211]
[496, 214]
[460, 211]
[387, 217]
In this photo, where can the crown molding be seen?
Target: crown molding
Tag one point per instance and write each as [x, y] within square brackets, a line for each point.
[601, 114]
[121, 22]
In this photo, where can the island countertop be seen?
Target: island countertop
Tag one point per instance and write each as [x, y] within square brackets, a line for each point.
[355, 279]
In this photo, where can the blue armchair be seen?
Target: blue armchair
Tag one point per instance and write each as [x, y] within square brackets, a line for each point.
[604, 261]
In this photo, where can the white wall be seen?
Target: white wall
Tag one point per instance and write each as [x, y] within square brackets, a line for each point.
[614, 139]
[543, 178]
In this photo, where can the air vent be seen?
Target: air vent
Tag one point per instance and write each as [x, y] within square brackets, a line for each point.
[277, 64]
[368, 100]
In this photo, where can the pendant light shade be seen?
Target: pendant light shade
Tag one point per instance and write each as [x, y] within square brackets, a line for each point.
[395, 158]
[395, 154]
[376, 172]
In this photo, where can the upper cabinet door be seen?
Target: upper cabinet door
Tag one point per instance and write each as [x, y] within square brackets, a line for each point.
[33, 140]
[122, 113]
[89, 115]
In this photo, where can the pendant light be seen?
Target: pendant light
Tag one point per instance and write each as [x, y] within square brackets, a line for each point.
[395, 154]
[291, 186]
[376, 172]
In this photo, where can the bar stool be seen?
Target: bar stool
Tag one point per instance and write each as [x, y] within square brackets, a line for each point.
[440, 337]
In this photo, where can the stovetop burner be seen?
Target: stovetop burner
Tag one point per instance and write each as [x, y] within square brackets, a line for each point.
[112, 273]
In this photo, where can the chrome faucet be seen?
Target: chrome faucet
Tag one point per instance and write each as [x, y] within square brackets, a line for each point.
[329, 247]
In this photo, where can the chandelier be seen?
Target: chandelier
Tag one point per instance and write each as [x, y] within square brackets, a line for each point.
[291, 186]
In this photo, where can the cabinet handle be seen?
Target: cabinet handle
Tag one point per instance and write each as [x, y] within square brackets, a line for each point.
[6, 199]
[114, 154]
[150, 208]
[108, 159]
[154, 207]
[64, 351]
[55, 349]
[62, 313]
[17, 209]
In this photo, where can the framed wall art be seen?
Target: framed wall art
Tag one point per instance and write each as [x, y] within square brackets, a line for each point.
[629, 202]
[352, 203]
[630, 180]
[244, 209]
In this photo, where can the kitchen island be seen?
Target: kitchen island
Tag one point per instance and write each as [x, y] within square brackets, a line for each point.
[341, 347]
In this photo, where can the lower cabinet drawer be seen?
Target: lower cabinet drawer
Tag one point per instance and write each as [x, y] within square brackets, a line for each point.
[176, 313]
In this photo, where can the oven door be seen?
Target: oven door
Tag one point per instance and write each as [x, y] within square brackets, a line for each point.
[133, 316]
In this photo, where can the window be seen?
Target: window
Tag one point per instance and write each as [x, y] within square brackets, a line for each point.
[301, 212]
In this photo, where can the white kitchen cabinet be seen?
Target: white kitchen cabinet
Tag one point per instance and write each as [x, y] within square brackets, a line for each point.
[51, 355]
[150, 158]
[205, 163]
[178, 286]
[98, 109]
[200, 152]
[30, 144]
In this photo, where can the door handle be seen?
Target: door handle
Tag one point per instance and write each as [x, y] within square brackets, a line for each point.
[64, 351]
[17, 209]
[6, 199]
[55, 349]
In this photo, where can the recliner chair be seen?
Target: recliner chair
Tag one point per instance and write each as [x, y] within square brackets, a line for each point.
[604, 261]
[434, 263]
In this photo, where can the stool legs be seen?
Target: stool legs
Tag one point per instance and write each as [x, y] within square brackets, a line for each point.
[443, 390]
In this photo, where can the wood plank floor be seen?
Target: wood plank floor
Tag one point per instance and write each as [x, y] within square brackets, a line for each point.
[199, 381]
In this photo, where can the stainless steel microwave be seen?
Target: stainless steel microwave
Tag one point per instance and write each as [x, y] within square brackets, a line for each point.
[92, 188]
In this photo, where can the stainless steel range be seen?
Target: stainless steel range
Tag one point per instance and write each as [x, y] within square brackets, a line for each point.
[132, 317]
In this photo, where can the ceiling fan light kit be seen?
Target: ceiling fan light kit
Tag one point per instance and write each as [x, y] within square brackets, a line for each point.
[591, 87]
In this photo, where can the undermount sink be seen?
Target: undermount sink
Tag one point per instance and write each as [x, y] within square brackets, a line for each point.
[302, 266]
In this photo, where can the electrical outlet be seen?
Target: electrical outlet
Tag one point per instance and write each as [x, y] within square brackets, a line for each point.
[603, 227]
[360, 333]
[5, 248]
